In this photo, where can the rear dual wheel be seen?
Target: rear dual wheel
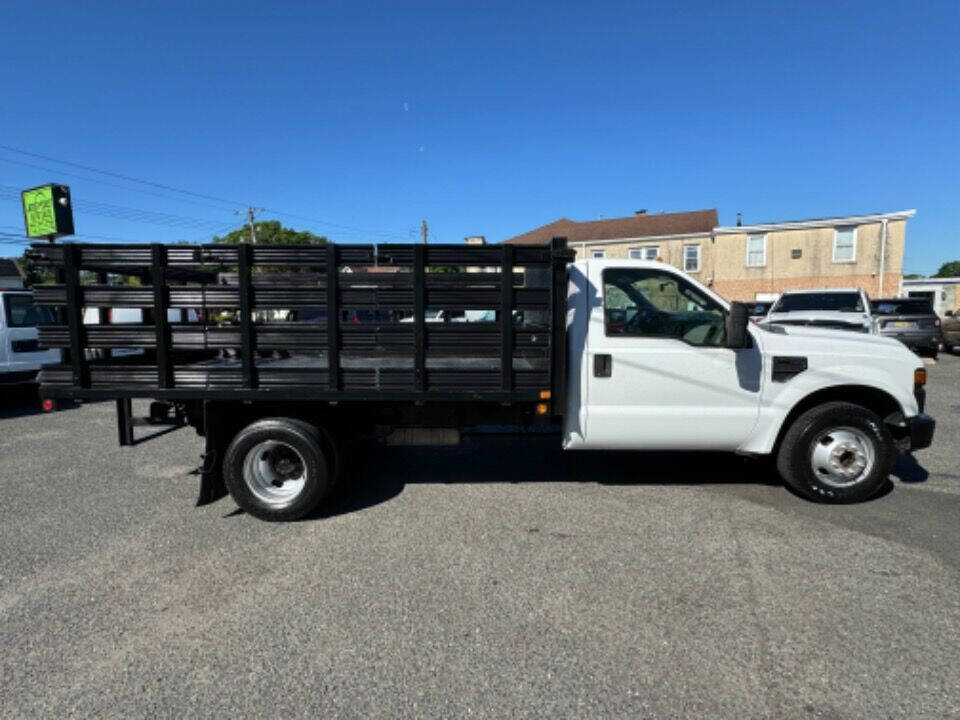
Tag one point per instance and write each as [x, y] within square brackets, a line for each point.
[837, 452]
[279, 468]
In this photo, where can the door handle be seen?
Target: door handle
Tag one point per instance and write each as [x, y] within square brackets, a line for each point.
[602, 365]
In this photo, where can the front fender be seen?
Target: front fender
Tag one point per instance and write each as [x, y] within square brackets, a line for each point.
[779, 399]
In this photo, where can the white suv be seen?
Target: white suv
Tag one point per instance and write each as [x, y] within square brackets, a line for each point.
[836, 308]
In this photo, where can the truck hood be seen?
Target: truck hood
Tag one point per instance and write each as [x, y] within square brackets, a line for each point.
[831, 341]
[839, 357]
[824, 318]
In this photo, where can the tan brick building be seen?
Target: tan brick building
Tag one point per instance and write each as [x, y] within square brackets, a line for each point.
[750, 262]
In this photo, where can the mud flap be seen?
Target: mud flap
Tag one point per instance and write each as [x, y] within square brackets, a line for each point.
[212, 487]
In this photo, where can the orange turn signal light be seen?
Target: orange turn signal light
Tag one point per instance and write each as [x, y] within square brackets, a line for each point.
[544, 394]
[920, 376]
[542, 408]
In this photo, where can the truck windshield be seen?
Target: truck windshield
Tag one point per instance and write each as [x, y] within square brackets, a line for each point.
[830, 301]
[22, 313]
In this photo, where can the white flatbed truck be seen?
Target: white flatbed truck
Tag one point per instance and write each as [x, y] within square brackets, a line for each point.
[611, 354]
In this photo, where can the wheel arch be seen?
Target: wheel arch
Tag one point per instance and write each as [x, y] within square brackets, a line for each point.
[872, 398]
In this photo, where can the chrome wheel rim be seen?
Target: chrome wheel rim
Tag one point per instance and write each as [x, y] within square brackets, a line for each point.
[842, 456]
[274, 472]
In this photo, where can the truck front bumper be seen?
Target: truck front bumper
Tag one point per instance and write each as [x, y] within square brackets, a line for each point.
[913, 433]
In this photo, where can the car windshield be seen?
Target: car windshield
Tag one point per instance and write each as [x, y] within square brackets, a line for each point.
[902, 307]
[831, 301]
[22, 313]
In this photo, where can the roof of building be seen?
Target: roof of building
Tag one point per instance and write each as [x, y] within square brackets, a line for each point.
[9, 268]
[816, 222]
[636, 226]
[932, 281]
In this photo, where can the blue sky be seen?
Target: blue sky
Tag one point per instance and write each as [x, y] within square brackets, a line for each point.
[484, 118]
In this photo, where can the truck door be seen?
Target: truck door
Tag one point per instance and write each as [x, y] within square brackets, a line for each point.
[658, 374]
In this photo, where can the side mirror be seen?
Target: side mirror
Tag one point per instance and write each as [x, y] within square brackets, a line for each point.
[949, 313]
[737, 321]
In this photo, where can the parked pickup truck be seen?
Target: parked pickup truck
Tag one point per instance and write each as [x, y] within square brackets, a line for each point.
[608, 354]
[838, 308]
[951, 331]
[20, 354]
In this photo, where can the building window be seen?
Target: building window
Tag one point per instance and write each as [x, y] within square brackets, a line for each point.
[645, 253]
[756, 250]
[598, 254]
[796, 253]
[691, 258]
[845, 245]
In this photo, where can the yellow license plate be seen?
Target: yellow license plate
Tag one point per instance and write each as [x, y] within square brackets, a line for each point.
[903, 323]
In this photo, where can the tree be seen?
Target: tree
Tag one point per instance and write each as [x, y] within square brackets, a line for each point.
[949, 269]
[271, 232]
[34, 274]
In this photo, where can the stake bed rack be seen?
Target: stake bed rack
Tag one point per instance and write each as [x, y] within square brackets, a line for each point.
[246, 340]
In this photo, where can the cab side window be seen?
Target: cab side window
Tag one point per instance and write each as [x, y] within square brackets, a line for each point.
[653, 303]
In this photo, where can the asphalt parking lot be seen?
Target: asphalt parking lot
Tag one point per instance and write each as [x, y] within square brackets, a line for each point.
[486, 580]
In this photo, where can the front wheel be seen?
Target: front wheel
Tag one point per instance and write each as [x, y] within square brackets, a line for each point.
[279, 469]
[837, 452]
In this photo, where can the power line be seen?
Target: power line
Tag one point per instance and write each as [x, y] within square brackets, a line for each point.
[128, 178]
[349, 228]
[120, 176]
[120, 212]
[58, 172]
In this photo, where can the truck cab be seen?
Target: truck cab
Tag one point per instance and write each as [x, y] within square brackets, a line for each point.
[653, 365]
[20, 355]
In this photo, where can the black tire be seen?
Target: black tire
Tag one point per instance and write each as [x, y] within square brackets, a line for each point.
[795, 458]
[306, 447]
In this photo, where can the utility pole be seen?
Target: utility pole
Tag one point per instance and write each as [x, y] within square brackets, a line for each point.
[423, 231]
[250, 213]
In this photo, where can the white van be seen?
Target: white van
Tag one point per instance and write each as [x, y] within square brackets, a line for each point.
[129, 316]
[20, 357]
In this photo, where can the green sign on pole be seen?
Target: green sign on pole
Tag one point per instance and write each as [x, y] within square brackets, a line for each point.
[47, 211]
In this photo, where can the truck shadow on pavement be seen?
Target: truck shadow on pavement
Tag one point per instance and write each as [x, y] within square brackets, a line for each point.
[383, 474]
[909, 470]
[23, 400]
